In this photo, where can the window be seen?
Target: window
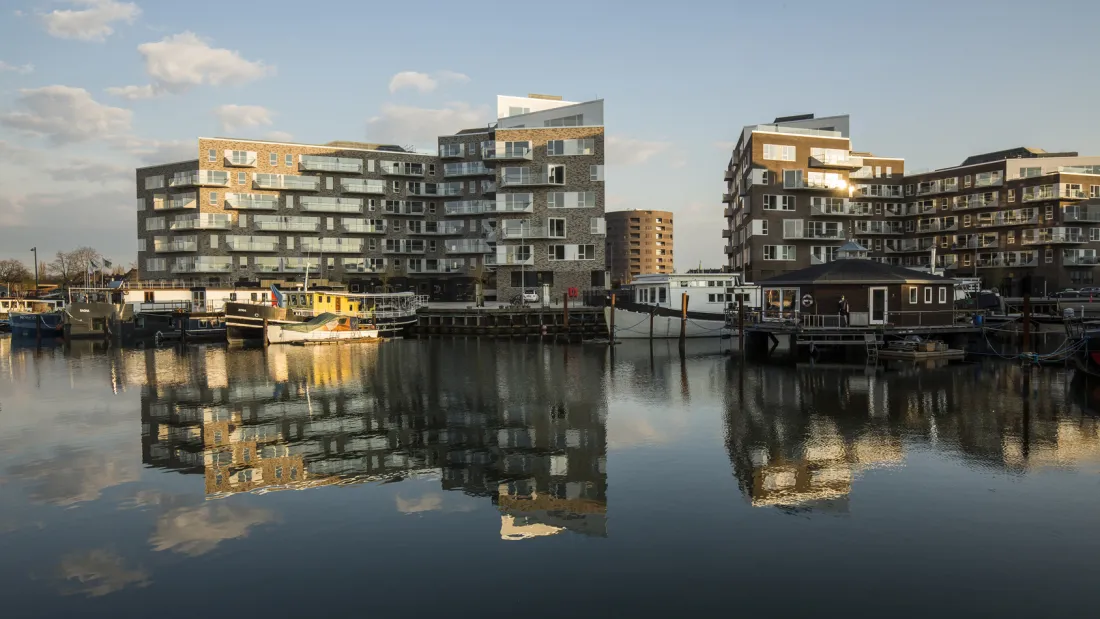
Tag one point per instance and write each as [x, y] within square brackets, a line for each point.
[1031, 172]
[213, 198]
[595, 173]
[1094, 234]
[273, 158]
[779, 203]
[776, 152]
[154, 182]
[556, 228]
[211, 155]
[1050, 212]
[966, 181]
[242, 178]
[927, 294]
[1011, 195]
[555, 252]
[1011, 240]
[586, 252]
[1094, 191]
[878, 171]
[431, 169]
[764, 227]
[943, 293]
[516, 111]
[912, 295]
[779, 252]
[1049, 256]
[289, 160]
[966, 221]
[576, 120]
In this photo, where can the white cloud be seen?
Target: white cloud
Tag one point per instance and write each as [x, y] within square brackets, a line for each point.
[630, 151]
[398, 124]
[234, 117]
[133, 93]
[183, 61]
[92, 23]
[198, 530]
[424, 82]
[279, 136]
[152, 152]
[99, 572]
[64, 114]
[725, 145]
[92, 171]
[20, 69]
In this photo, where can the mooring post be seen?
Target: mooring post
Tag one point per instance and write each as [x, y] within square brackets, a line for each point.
[1027, 323]
[38, 326]
[265, 332]
[683, 316]
[740, 324]
[611, 331]
[651, 312]
[565, 311]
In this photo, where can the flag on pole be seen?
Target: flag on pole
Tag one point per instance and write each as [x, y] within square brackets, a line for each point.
[276, 297]
[106, 263]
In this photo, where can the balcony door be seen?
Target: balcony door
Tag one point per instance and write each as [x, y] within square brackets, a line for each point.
[876, 305]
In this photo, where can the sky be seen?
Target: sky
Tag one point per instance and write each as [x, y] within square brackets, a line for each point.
[92, 89]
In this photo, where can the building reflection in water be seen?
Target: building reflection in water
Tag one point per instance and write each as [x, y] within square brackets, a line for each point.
[521, 425]
[798, 437]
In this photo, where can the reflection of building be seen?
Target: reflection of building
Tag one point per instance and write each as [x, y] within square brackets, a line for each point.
[638, 242]
[506, 428]
[800, 437]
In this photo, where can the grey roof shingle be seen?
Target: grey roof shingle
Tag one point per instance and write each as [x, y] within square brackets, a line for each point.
[854, 271]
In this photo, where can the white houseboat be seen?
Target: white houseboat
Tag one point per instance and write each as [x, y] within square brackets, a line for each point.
[710, 296]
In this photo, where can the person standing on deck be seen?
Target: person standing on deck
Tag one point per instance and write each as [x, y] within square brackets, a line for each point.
[842, 309]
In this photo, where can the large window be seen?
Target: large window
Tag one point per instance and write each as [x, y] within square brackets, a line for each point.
[555, 228]
[779, 252]
[778, 203]
[777, 152]
[576, 120]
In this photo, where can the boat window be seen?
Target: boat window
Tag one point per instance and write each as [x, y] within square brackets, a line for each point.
[663, 298]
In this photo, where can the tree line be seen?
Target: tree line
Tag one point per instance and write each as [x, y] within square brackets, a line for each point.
[68, 268]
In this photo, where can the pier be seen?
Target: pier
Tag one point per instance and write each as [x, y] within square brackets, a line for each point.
[563, 323]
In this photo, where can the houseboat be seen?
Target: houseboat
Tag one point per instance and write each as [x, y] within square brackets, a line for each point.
[10, 306]
[710, 296]
[388, 312]
[36, 317]
[323, 329]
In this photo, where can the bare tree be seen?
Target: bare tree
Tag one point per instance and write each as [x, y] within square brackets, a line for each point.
[70, 267]
[13, 273]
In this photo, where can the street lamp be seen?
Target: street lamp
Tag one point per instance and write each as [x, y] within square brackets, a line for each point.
[35, 251]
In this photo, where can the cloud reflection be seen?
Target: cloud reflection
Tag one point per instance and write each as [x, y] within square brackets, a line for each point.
[194, 531]
[98, 572]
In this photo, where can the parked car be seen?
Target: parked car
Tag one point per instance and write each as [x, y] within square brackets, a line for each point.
[530, 296]
[1066, 293]
[1089, 291]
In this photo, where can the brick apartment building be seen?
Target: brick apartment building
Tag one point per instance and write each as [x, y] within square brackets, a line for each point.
[639, 242]
[796, 190]
[519, 203]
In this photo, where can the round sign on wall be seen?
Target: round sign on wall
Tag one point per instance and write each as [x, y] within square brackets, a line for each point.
[807, 300]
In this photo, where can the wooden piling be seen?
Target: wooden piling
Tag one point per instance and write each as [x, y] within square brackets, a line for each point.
[1027, 323]
[565, 311]
[265, 333]
[611, 331]
[38, 326]
[741, 325]
[651, 312]
[683, 316]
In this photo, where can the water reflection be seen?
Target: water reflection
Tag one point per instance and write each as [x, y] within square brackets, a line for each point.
[509, 425]
[800, 437]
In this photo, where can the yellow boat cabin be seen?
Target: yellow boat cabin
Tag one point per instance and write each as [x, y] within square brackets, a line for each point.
[320, 302]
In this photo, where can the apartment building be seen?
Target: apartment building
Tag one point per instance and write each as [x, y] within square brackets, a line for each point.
[796, 191]
[1019, 219]
[639, 242]
[519, 202]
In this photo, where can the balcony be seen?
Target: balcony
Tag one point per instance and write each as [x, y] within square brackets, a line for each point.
[840, 208]
[471, 168]
[1076, 213]
[403, 207]
[403, 246]
[286, 181]
[988, 242]
[947, 262]
[292, 265]
[439, 228]
[900, 210]
[467, 246]
[315, 163]
[355, 185]
[963, 203]
[426, 190]
[175, 245]
[469, 207]
[947, 185]
[829, 160]
[436, 266]
[501, 151]
[1053, 236]
[526, 178]
[938, 225]
[519, 230]
[1039, 196]
[730, 175]
[794, 229]
[286, 224]
[1073, 194]
[907, 246]
[199, 178]
[202, 264]
[176, 202]
[1080, 258]
[452, 151]
[240, 158]
[727, 233]
[878, 227]
[729, 197]
[727, 250]
[314, 204]
[361, 226]
[808, 184]
[363, 265]
[515, 256]
[254, 244]
[202, 221]
[1011, 218]
[922, 209]
[398, 168]
[877, 191]
[1008, 259]
[332, 246]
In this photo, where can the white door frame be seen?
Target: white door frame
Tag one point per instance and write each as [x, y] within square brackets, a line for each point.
[871, 305]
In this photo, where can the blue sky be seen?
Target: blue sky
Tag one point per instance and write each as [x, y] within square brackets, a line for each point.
[929, 81]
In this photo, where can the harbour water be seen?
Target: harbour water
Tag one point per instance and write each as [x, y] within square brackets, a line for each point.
[479, 478]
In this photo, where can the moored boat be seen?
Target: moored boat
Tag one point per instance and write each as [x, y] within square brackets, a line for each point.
[32, 324]
[657, 299]
[323, 329]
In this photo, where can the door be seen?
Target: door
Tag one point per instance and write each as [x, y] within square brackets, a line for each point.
[198, 300]
[876, 306]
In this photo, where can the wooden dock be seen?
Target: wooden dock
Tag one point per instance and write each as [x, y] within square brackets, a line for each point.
[572, 324]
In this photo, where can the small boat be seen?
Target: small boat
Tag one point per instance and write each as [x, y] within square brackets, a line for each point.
[325, 328]
[657, 299]
[89, 319]
[32, 324]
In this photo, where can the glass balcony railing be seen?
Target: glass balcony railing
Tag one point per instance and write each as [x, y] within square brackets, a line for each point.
[354, 185]
[287, 224]
[332, 246]
[176, 245]
[202, 221]
[467, 246]
[471, 168]
[236, 243]
[315, 163]
[202, 264]
[469, 207]
[316, 204]
[201, 178]
[359, 226]
[252, 201]
[286, 181]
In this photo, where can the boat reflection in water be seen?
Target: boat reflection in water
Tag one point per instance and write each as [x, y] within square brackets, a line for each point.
[799, 438]
[510, 425]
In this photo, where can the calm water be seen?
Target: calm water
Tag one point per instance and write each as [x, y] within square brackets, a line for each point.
[484, 479]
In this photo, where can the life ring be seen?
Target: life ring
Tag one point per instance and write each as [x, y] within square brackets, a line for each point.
[157, 337]
[807, 300]
[573, 293]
